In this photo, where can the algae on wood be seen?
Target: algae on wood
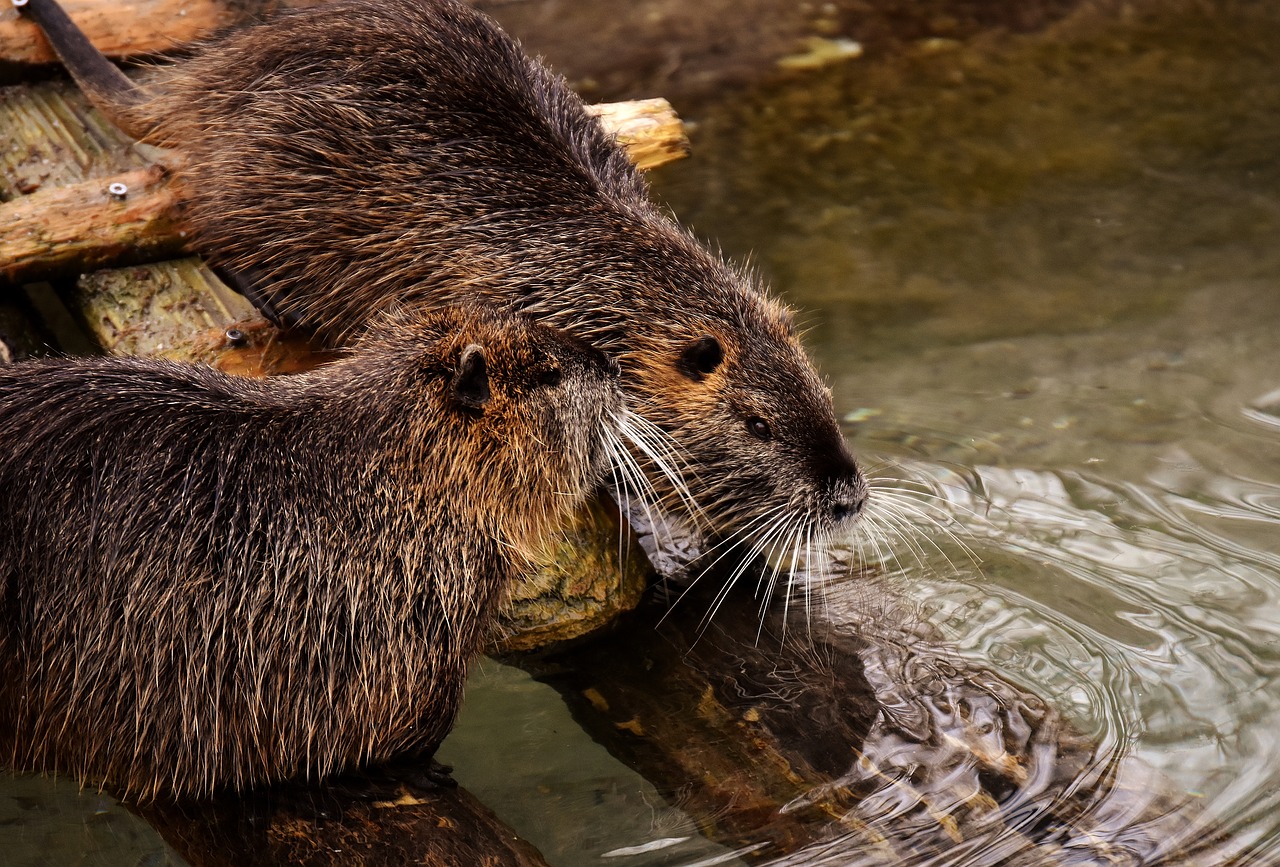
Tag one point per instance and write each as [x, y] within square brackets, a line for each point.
[52, 137]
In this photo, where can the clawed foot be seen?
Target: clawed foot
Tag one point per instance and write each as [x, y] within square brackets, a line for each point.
[373, 783]
[433, 776]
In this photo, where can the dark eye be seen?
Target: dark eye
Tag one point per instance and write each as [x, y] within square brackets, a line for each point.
[550, 377]
[759, 428]
[700, 358]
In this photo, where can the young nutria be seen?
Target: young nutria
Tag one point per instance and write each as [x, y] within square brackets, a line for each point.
[346, 156]
[211, 582]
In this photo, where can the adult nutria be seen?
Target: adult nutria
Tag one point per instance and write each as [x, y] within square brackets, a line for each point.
[346, 156]
[212, 582]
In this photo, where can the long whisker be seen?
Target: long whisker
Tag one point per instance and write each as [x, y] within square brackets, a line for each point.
[632, 478]
[726, 547]
[640, 433]
[761, 544]
[801, 523]
[921, 511]
[623, 499]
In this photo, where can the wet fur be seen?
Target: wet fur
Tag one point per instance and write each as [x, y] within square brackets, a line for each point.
[344, 157]
[212, 582]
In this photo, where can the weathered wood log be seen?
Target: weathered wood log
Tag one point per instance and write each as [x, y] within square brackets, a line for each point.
[648, 129]
[138, 28]
[50, 136]
[92, 224]
[381, 820]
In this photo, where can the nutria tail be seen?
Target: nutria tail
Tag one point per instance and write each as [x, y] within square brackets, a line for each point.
[106, 86]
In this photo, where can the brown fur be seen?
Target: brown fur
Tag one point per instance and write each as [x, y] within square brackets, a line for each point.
[356, 154]
[213, 582]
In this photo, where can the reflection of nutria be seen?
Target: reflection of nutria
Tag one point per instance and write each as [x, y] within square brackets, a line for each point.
[208, 581]
[353, 153]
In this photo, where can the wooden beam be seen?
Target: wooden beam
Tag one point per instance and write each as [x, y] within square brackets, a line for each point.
[132, 28]
[104, 221]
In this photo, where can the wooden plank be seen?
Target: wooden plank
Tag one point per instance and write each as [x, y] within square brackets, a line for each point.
[65, 230]
[124, 29]
[51, 137]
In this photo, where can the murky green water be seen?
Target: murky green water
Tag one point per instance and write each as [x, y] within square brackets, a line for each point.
[1042, 273]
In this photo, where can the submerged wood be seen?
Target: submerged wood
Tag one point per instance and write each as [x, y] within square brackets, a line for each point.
[731, 728]
[788, 735]
[380, 820]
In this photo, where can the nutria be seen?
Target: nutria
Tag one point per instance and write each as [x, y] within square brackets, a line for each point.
[346, 156]
[210, 582]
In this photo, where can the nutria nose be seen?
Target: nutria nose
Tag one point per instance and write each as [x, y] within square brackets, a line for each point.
[848, 500]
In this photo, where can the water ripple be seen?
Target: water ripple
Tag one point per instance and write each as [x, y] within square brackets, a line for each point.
[1146, 612]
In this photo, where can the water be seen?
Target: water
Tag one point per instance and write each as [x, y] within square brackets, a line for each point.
[1041, 273]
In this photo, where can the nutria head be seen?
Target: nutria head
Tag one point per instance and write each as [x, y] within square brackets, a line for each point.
[522, 412]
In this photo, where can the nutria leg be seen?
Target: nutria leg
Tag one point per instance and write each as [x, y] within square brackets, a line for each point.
[434, 775]
[421, 769]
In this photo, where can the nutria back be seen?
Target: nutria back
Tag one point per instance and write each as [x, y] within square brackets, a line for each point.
[212, 582]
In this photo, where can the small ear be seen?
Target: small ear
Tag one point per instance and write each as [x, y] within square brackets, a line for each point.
[471, 382]
[700, 358]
